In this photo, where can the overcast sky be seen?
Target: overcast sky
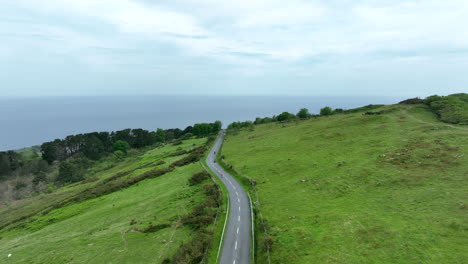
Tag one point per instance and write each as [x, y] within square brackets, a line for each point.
[329, 47]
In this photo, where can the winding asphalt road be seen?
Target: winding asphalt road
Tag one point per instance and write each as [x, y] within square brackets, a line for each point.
[236, 247]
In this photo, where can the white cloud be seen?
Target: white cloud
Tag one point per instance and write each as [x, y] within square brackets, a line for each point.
[261, 32]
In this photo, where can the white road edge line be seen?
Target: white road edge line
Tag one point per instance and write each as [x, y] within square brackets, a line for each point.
[253, 232]
[224, 229]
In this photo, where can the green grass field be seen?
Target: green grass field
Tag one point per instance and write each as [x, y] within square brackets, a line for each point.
[108, 229]
[354, 188]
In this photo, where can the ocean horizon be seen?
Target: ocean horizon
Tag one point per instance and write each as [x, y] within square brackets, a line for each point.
[31, 121]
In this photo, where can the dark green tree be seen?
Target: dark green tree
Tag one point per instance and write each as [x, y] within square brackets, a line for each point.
[49, 152]
[160, 135]
[202, 130]
[285, 116]
[303, 113]
[217, 125]
[4, 163]
[93, 147]
[121, 145]
[326, 111]
[69, 172]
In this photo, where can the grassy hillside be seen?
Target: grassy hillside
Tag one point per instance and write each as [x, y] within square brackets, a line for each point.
[144, 220]
[134, 164]
[352, 188]
[451, 109]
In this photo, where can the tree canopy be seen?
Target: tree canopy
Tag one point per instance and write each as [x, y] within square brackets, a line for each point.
[303, 113]
[326, 111]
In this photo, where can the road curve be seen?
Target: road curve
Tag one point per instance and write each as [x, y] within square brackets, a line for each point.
[236, 248]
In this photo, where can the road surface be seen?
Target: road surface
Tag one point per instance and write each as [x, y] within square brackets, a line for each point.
[236, 248]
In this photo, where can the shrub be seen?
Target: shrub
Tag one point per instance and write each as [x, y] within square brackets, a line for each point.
[285, 116]
[451, 109]
[155, 228]
[338, 111]
[194, 156]
[213, 191]
[118, 155]
[40, 177]
[187, 136]
[303, 113]
[326, 111]
[267, 242]
[69, 172]
[198, 177]
[362, 109]
[20, 185]
[193, 251]
[415, 100]
[177, 142]
[121, 145]
[161, 162]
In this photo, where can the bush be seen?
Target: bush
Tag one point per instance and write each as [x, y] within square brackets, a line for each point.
[20, 185]
[69, 172]
[187, 136]
[326, 111]
[415, 100]
[285, 116]
[198, 178]
[161, 162]
[303, 113]
[451, 109]
[194, 156]
[362, 109]
[193, 251]
[177, 142]
[122, 146]
[213, 191]
[338, 111]
[267, 242]
[155, 228]
[264, 120]
[118, 155]
[40, 177]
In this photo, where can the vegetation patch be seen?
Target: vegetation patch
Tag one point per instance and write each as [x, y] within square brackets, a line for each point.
[155, 228]
[194, 156]
[199, 177]
[195, 251]
[451, 109]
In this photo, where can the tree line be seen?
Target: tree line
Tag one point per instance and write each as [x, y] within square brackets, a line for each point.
[98, 144]
[75, 153]
[284, 117]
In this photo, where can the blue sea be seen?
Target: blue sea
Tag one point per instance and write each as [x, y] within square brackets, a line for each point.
[26, 122]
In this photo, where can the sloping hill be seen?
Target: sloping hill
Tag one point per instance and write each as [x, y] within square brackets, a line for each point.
[387, 187]
[138, 210]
